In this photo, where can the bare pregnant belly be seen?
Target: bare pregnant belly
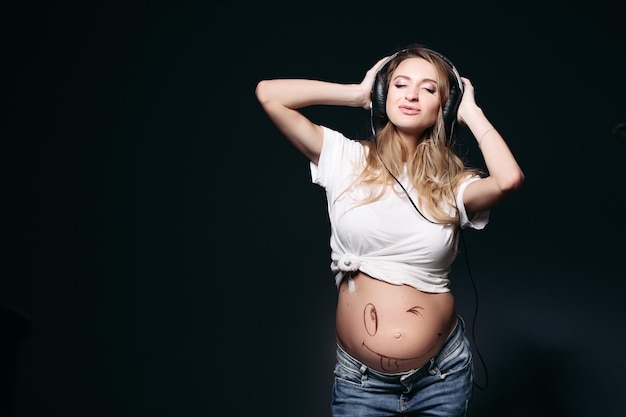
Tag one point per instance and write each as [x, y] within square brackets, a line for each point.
[392, 328]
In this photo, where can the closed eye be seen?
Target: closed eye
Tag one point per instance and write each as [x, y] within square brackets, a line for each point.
[416, 310]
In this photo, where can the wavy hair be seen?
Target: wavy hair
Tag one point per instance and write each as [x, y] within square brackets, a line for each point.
[434, 169]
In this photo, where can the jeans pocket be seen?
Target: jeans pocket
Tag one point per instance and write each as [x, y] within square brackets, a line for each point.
[347, 374]
[458, 360]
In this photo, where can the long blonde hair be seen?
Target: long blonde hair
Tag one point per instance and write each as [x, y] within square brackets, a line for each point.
[434, 169]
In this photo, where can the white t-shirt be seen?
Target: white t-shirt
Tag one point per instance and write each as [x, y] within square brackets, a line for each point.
[387, 239]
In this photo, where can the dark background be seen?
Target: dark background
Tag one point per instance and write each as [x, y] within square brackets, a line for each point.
[164, 253]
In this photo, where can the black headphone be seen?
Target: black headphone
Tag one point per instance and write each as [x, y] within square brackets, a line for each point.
[379, 96]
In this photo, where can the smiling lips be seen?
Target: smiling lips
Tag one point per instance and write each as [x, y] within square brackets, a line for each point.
[409, 110]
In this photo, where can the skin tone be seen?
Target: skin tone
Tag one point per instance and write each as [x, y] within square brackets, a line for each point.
[392, 328]
[413, 100]
[372, 321]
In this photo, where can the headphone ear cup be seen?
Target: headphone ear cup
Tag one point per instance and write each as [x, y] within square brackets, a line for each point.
[451, 107]
[379, 95]
[379, 100]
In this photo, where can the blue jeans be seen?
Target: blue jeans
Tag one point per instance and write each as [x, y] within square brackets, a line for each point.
[442, 387]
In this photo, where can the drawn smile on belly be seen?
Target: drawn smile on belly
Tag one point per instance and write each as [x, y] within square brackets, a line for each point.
[391, 364]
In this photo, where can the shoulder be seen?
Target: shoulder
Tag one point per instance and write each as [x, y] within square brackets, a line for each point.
[336, 142]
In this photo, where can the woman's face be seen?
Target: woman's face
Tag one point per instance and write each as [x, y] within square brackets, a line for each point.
[413, 99]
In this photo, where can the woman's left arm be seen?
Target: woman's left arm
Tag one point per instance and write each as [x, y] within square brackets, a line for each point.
[504, 174]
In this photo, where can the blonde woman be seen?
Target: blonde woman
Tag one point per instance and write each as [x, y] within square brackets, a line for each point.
[396, 203]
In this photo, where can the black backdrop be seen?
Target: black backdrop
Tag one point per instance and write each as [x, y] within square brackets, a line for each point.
[165, 254]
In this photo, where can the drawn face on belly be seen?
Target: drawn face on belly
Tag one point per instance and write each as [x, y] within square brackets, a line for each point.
[391, 331]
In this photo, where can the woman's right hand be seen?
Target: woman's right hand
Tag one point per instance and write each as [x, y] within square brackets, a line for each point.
[368, 83]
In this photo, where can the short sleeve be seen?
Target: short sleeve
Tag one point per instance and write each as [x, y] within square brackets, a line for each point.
[320, 170]
[480, 219]
[337, 159]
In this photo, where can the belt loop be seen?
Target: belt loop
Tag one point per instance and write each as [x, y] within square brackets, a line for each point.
[363, 370]
[431, 366]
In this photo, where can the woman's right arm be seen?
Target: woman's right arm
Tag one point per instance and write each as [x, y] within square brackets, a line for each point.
[281, 99]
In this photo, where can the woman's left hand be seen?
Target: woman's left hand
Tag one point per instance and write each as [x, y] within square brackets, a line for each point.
[468, 101]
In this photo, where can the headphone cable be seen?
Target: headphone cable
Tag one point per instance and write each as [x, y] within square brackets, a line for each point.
[469, 271]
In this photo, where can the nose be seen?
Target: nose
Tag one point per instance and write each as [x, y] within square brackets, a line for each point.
[411, 94]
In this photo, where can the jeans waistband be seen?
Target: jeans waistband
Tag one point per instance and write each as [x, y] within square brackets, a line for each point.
[452, 342]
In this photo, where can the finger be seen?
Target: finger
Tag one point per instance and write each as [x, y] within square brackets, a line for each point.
[381, 62]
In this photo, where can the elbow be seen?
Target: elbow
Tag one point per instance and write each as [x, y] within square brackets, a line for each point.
[258, 91]
[261, 91]
[513, 182]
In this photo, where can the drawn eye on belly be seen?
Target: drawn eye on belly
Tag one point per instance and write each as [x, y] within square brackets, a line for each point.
[370, 319]
[416, 310]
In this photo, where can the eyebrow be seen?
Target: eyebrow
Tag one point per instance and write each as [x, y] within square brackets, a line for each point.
[406, 77]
